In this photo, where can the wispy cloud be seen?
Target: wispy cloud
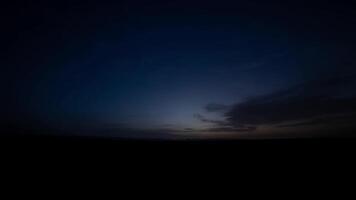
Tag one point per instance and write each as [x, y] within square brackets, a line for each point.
[211, 121]
[214, 107]
[325, 102]
[312, 99]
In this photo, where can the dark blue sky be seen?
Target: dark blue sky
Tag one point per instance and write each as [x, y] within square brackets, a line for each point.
[158, 65]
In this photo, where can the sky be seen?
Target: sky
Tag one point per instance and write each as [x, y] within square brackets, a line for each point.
[179, 69]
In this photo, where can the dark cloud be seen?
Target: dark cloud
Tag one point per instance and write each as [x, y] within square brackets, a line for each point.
[206, 120]
[214, 107]
[232, 129]
[330, 120]
[223, 126]
[327, 97]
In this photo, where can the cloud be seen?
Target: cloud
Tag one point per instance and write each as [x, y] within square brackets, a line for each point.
[223, 126]
[214, 122]
[330, 120]
[214, 107]
[327, 103]
[327, 97]
[232, 129]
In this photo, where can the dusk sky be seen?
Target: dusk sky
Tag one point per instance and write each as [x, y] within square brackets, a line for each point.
[179, 69]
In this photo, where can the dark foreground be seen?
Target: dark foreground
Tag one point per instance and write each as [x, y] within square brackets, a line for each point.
[35, 139]
[168, 155]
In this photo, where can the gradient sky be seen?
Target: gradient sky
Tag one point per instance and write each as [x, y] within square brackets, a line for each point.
[180, 67]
